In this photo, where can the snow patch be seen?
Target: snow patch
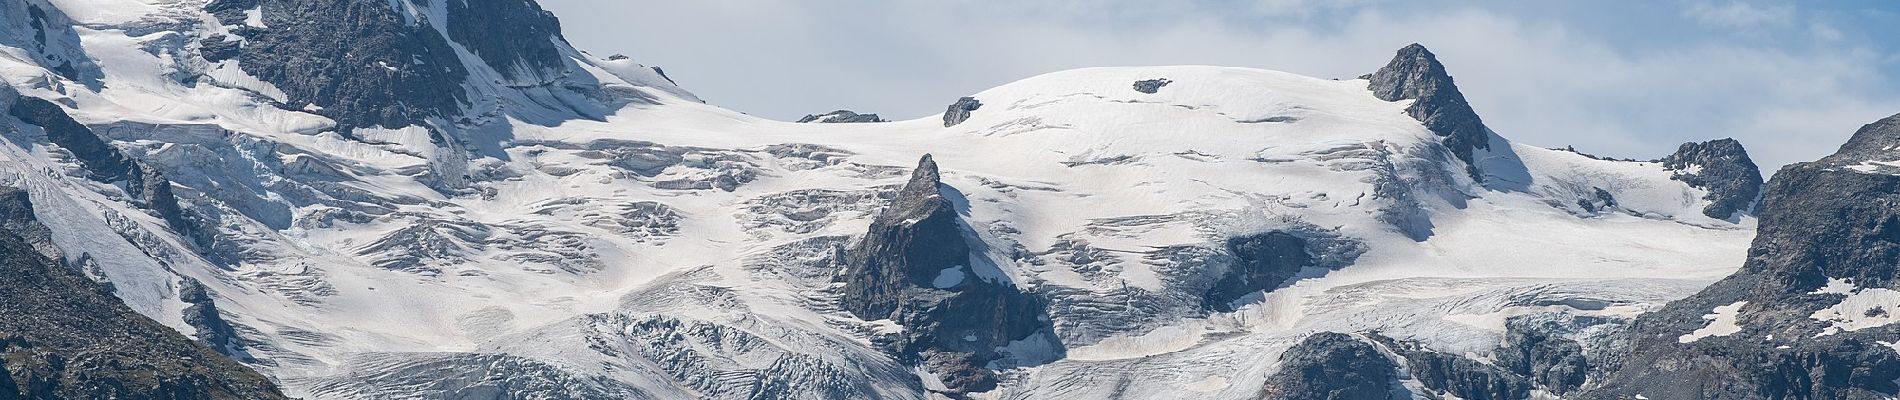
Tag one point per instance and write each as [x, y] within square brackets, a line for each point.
[948, 278]
[1721, 323]
[254, 18]
[1866, 308]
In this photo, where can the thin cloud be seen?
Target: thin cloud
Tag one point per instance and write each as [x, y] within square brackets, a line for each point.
[1737, 14]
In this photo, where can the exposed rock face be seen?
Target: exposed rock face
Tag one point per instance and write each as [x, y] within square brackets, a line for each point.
[1150, 86]
[1829, 233]
[16, 217]
[960, 111]
[1457, 375]
[363, 63]
[1551, 362]
[1416, 74]
[511, 36]
[1262, 262]
[105, 163]
[840, 117]
[1332, 366]
[916, 268]
[1722, 167]
[203, 316]
[65, 337]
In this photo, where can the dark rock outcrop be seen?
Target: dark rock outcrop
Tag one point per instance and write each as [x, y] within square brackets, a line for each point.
[202, 315]
[361, 61]
[1261, 262]
[960, 111]
[916, 268]
[65, 337]
[103, 162]
[1722, 167]
[1457, 375]
[1150, 86]
[1415, 74]
[1837, 219]
[17, 218]
[840, 117]
[514, 37]
[1332, 366]
[1551, 362]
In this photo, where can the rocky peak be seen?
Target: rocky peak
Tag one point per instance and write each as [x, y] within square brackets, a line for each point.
[960, 111]
[1415, 74]
[1873, 142]
[1723, 168]
[1331, 365]
[840, 117]
[915, 268]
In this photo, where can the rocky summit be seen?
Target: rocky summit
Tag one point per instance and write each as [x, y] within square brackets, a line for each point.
[422, 199]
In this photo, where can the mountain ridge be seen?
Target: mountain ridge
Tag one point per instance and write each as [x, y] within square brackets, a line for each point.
[547, 223]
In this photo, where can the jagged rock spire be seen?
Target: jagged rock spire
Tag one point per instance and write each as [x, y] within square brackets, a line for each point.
[915, 267]
[1723, 168]
[1416, 74]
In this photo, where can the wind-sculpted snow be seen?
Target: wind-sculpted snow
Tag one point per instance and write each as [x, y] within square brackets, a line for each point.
[545, 224]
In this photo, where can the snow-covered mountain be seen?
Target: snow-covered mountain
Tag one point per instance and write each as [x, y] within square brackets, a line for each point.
[443, 199]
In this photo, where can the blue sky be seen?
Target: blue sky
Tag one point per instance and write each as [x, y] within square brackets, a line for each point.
[1616, 78]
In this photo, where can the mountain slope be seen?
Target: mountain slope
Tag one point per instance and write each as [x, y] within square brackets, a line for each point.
[66, 336]
[1807, 315]
[380, 199]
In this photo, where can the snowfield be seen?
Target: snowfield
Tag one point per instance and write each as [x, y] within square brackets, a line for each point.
[674, 248]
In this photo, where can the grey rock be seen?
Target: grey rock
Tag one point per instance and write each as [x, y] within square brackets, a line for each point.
[1332, 366]
[960, 111]
[1723, 168]
[16, 217]
[105, 163]
[203, 316]
[1457, 375]
[1873, 142]
[361, 61]
[1552, 362]
[1818, 221]
[66, 337]
[1262, 262]
[1150, 86]
[840, 116]
[1415, 74]
[515, 37]
[954, 327]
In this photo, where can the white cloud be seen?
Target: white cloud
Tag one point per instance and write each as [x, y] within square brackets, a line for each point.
[1537, 81]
